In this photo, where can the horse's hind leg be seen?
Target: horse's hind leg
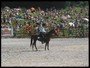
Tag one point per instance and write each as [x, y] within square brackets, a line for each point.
[45, 46]
[35, 45]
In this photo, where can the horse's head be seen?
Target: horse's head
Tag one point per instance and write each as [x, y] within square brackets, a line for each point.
[56, 31]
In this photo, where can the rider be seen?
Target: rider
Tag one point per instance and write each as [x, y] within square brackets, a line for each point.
[42, 31]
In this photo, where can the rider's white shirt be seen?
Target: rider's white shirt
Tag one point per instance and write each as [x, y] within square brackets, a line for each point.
[42, 29]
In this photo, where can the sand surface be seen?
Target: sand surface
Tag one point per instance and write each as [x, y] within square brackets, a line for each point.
[63, 52]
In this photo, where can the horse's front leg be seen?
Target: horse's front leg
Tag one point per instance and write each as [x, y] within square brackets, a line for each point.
[47, 45]
[36, 47]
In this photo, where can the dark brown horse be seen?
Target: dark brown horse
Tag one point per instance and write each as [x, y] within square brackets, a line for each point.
[48, 35]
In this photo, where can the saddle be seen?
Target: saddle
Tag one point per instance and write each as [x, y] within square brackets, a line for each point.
[41, 37]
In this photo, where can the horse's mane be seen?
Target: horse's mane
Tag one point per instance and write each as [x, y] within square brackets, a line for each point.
[50, 32]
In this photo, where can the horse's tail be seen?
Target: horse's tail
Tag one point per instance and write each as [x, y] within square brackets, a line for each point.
[31, 41]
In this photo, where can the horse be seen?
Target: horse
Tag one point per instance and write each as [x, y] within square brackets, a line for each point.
[48, 35]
